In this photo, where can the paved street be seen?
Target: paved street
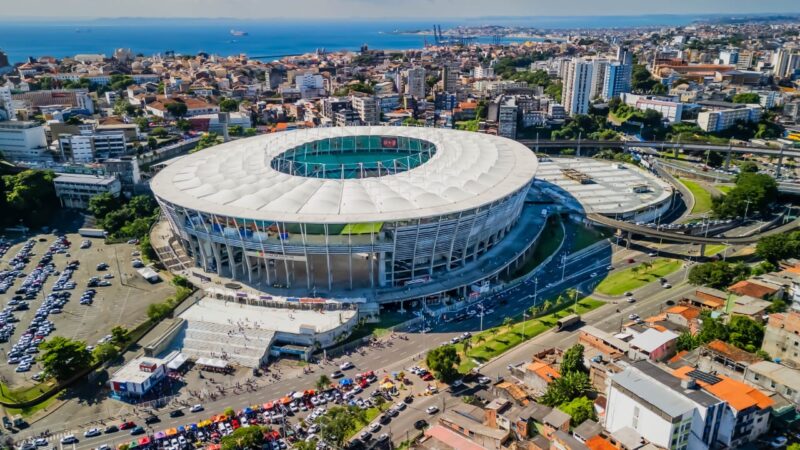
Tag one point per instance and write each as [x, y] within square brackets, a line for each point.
[398, 354]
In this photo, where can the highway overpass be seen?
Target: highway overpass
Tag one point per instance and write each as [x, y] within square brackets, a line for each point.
[683, 238]
[659, 145]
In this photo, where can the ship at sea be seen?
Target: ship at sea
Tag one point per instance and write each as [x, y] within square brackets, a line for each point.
[238, 33]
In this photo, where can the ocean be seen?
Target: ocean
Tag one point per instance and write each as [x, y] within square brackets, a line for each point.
[268, 39]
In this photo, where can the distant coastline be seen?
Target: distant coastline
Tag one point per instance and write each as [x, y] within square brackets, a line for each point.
[25, 38]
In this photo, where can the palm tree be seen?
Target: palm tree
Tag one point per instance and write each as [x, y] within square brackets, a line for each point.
[635, 270]
[572, 295]
[467, 346]
[481, 339]
[323, 382]
[547, 305]
[507, 322]
[647, 265]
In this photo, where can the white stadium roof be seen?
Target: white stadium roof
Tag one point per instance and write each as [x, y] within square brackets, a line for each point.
[236, 179]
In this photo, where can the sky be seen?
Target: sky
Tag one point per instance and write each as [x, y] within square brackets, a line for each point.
[378, 9]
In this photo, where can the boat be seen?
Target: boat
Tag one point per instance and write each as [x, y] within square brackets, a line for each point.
[238, 33]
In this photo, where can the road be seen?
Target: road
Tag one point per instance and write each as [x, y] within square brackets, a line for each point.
[398, 354]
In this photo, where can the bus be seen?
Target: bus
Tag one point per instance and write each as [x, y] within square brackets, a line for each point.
[567, 321]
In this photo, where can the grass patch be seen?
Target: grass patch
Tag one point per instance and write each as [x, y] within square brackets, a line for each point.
[713, 249]
[702, 198]
[495, 341]
[27, 393]
[380, 328]
[632, 278]
[724, 188]
[548, 242]
[585, 237]
[29, 411]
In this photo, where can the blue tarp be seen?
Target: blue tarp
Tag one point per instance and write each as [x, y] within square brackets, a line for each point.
[345, 382]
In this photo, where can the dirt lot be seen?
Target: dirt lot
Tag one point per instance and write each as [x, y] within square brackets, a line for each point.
[123, 303]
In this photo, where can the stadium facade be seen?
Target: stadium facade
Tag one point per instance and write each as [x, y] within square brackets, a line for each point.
[338, 210]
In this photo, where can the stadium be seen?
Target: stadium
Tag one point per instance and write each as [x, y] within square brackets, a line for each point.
[352, 211]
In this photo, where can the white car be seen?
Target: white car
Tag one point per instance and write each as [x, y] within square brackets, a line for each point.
[374, 427]
[92, 432]
[346, 365]
[69, 439]
[633, 316]
[432, 409]
[484, 380]
[196, 408]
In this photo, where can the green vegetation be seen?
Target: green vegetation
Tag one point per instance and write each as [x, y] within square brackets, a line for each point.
[567, 392]
[27, 198]
[548, 242]
[746, 97]
[62, 357]
[579, 409]
[635, 277]
[243, 438]
[642, 81]
[228, 105]
[339, 423]
[742, 332]
[713, 249]
[495, 341]
[754, 193]
[177, 109]
[585, 236]
[776, 247]
[443, 361]
[158, 311]
[207, 140]
[718, 274]
[124, 220]
[702, 198]
[723, 188]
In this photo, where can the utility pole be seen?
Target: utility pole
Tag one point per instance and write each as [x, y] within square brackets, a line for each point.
[746, 207]
[563, 265]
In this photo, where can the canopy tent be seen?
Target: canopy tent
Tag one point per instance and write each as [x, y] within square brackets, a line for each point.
[345, 382]
[286, 400]
[172, 432]
[181, 429]
[133, 444]
[297, 395]
[160, 435]
[204, 423]
[213, 362]
[248, 410]
[387, 385]
[268, 405]
[176, 363]
[144, 441]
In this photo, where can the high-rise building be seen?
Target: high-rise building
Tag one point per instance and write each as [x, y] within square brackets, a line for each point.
[507, 118]
[599, 69]
[450, 74]
[368, 109]
[711, 121]
[415, 82]
[624, 56]
[729, 56]
[577, 87]
[6, 108]
[617, 80]
[22, 141]
[785, 62]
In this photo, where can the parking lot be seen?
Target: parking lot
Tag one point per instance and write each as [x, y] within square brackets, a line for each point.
[39, 311]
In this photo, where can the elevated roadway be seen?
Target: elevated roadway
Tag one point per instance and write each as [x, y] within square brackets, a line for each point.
[662, 145]
[684, 238]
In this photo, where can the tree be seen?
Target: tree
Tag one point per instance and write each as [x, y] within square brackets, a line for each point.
[228, 105]
[157, 311]
[748, 167]
[119, 335]
[102, 204]
[565, 388]
[712, 329]
[745, 333]
[686, 341]
[105, 352]
[379, 401]
[323, 382]
[152, 142]
[243, 438]
[443, 361]
[31, 197]
[754, 193]
[336, 425]
[579, 409]
[63, 357]
[717, 274]
[746, 97]
[159, 132]
[572, 360]
[467, 346]
[776, 247]
[507, 322]
[177, 109]
[236, 130]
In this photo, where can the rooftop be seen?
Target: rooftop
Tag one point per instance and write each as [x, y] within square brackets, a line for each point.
[777, 372]
[237, 179]
[75, 178]
[652, 339]
[132, 373]
[739, 395]
[611, 189]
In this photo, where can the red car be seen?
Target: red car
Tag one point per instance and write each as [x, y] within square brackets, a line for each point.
[127, 425]
[427, 377]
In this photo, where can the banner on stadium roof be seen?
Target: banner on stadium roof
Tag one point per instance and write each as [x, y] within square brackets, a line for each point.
[277, 256]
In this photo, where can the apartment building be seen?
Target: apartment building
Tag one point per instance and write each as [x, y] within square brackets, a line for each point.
[616, 80]
[23, 141]
[75, 190]
[725, 118]
[88, 146]
[577, 87]
[782, 336]
[415, 82]
[507, 118]
[671, 110]
[368, 109]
